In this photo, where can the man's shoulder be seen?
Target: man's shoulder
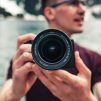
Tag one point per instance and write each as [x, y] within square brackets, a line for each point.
[91, 59]
[85, 50]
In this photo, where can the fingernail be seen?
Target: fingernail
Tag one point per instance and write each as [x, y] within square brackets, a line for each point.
[77, 53]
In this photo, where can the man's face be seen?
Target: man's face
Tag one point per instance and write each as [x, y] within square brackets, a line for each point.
[69, 17]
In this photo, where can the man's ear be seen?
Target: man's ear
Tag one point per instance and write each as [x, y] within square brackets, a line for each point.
[49, 13]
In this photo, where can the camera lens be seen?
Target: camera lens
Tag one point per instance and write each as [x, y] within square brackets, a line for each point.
[52, 49]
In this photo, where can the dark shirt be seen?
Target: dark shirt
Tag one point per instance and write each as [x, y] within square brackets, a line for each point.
[39, 92]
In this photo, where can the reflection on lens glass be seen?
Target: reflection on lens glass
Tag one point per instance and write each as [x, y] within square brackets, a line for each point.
[52, 49]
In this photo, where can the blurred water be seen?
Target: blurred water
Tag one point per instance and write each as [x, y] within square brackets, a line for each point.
[10, 30]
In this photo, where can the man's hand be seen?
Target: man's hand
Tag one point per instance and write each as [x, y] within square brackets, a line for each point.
[97, 90]
[23, 75]
[66, 86]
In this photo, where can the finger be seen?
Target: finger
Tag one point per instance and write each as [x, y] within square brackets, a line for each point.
[65, 76]
[31, 79]
[21, 75]
[63, 88]
[44, 79]
[25, 57]
[53, 78]
[23, 48]
[82, 68]
[25, 38]
[23, 71]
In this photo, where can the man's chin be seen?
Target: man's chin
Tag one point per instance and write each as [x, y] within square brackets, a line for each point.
[78, 31]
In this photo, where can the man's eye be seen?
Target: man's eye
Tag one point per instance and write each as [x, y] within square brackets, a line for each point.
[76, 3]
[83, 2]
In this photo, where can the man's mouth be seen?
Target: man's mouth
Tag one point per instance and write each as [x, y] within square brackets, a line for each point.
[79, 19]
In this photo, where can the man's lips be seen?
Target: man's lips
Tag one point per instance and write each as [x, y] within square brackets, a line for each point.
[79, 19]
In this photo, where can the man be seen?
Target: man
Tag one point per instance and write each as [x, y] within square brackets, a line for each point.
[43, 85]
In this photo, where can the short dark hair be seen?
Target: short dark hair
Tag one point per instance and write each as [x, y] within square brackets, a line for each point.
[45, 3]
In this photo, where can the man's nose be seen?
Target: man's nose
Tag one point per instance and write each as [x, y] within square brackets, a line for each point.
[81, 8]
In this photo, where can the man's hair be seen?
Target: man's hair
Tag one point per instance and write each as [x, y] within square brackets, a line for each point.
[45, 3]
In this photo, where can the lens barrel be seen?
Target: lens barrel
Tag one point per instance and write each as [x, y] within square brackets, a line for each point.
[52, 49]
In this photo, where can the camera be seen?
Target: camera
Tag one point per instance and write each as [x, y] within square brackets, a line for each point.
[52, 49]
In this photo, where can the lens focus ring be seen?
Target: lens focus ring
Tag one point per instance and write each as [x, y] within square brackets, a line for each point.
[52, 49]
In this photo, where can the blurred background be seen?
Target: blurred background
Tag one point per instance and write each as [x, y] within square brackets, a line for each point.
[19, 17]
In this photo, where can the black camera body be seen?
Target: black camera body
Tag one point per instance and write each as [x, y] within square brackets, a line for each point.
[52, 49]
